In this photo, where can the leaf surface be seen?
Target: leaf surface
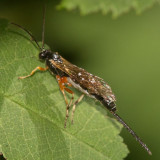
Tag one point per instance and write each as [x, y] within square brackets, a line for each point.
[117, 7]
[32, 111]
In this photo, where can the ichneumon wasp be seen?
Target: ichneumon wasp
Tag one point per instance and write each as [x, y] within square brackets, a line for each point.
[68, 74]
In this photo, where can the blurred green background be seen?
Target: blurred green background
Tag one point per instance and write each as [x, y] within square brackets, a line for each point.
[124, 51]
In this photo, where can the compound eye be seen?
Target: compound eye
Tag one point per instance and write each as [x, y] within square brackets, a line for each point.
[42, 55]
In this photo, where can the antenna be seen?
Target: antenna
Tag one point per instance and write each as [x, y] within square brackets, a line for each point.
[43, 28]
[28, 33]
[132, 132]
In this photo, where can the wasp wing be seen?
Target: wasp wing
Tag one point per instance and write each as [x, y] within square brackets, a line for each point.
[93, 84]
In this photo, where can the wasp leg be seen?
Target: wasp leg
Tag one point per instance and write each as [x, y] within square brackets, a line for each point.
[71, 92]
[74, 106]
[37, 68]
[68, 106]
[62, 81]
[61, 86]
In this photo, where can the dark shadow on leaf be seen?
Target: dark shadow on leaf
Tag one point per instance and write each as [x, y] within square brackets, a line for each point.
[100, 108]
[2, 157]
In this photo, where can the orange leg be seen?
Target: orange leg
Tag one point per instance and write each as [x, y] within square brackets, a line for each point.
[71, 92]
[68, 106]
[74, 106]
[62, 81]
[37, 68]
[62, 86]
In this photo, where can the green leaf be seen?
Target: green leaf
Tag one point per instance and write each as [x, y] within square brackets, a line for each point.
[32, 111]
[117, 7]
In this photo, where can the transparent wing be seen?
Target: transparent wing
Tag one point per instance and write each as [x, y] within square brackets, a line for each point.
[93, 84]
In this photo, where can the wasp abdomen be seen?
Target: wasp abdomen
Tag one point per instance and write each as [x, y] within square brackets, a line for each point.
[107, 103]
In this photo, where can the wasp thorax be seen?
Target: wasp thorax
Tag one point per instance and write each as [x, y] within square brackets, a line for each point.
[44, 54]
[56, 57]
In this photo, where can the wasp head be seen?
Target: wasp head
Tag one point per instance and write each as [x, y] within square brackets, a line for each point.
[44, 54]
[47, 54]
